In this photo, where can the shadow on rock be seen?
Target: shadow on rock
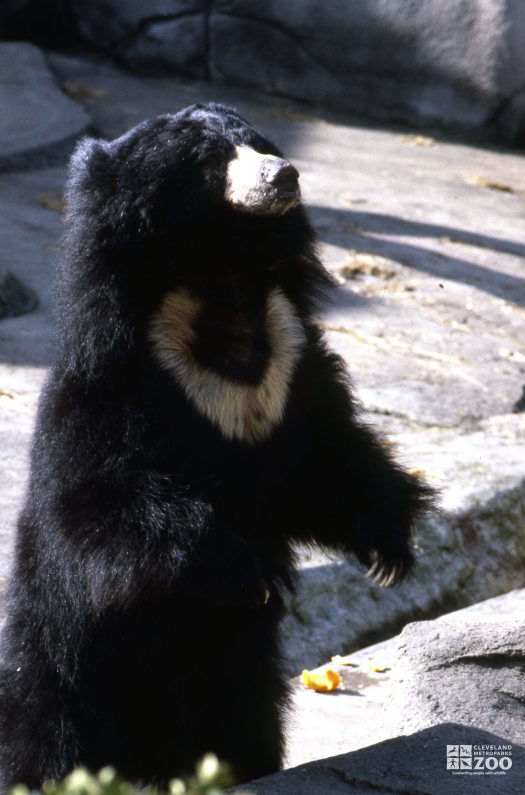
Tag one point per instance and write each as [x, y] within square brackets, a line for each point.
[358, 230]
[448, 759]
[15, 297]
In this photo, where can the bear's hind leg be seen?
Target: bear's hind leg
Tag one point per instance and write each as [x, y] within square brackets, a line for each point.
[245, 726]
[37, 741]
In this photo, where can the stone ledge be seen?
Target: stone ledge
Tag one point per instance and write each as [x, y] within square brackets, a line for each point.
[386, 687]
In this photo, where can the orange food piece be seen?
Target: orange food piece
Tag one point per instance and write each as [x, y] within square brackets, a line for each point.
[323, 682]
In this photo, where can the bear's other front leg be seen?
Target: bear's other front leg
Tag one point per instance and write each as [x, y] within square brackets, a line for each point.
[345, 489]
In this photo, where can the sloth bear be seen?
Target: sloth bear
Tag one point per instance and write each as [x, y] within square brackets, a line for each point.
[193, 427]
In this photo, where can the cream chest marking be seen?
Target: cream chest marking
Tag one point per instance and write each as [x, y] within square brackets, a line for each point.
[242, 411]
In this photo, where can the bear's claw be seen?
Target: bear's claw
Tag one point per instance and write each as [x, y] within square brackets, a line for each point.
[385, 572]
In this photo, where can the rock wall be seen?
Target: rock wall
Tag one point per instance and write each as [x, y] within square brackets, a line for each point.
[454, 64]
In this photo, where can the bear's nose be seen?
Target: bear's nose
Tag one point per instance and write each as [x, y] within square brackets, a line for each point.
[280, 173]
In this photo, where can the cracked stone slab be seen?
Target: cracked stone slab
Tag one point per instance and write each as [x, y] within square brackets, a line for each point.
[130, 16]
[252, 50]
[464, 670]
[38, 122]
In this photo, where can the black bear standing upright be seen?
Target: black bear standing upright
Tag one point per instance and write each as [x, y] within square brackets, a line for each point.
[193, 426]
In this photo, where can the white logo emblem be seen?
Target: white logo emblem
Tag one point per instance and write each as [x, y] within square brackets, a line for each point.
[479, 760]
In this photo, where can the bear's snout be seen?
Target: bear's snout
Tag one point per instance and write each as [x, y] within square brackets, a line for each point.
[280, 173]
[261, 184]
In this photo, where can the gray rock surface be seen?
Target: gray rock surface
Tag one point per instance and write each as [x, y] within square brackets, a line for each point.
[449, 63]
[125, 18]
[177, 44]
[161, 34]
[375, 701]
[38, 122]
[448, 59]
[30, 228]
[466, 671]
[413, 765]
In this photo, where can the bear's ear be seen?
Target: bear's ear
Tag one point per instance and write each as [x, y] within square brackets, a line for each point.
[90, 167]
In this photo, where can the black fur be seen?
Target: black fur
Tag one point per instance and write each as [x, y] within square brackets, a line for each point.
[137, 633]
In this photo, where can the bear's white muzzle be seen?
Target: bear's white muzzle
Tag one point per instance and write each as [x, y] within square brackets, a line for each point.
[261, 184]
